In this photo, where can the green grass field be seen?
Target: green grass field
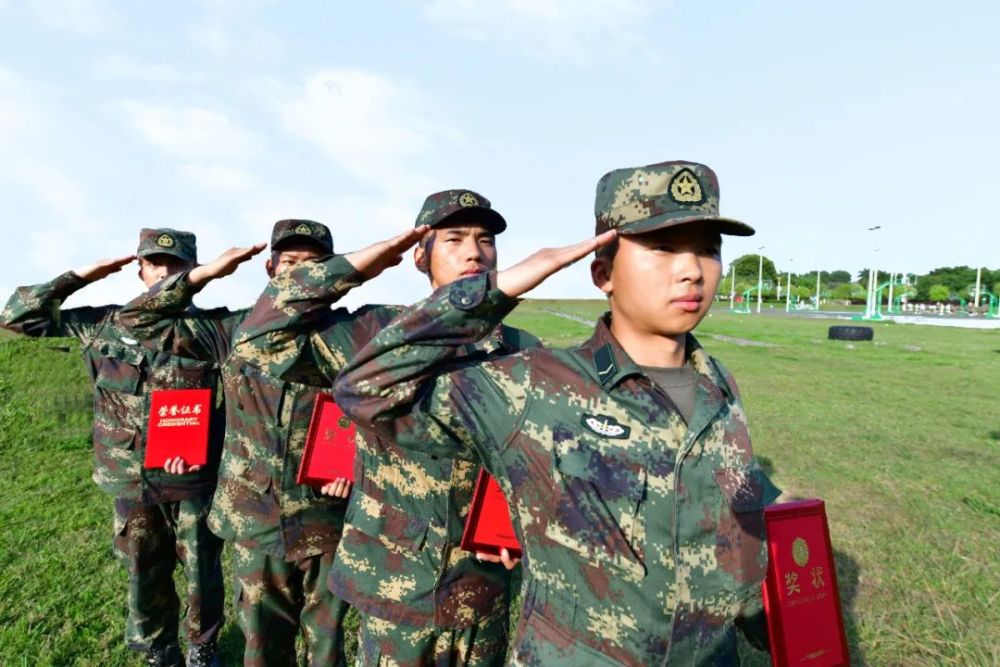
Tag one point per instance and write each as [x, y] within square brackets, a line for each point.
[901, 437]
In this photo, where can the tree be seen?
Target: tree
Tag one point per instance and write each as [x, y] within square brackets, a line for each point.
[939, 293]
[746, 270]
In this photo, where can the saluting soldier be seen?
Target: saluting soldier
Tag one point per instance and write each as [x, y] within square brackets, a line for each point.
[284, 533]
[159, 517]
[423, 599]
[627, 459]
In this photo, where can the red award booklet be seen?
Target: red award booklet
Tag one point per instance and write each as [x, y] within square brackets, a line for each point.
[330, 446]
[800, 592]
[178, 426]
[488, 527]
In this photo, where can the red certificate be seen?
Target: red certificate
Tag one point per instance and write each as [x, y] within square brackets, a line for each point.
[800, 593]
[330, 446]
[488, 527]
[178, 426]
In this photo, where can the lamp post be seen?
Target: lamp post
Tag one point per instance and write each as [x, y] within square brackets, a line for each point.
[760, 277]
[817, 289]
[732, 285]
[872, 277]
[892, 280]
[788, 288]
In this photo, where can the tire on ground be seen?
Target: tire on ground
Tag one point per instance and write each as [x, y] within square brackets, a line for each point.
[851, 333]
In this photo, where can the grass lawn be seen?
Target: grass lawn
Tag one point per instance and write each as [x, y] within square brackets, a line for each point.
[901, 437]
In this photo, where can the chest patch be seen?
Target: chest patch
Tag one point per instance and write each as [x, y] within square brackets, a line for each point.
[129, 341]
[605, 426]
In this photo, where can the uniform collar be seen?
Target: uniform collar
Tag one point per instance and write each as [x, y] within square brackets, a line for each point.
[612, 364]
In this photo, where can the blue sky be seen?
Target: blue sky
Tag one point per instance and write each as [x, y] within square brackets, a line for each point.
[821, 119]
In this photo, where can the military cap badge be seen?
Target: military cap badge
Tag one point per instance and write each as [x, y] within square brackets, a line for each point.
[685, 188]
[468, 199]
[304, 229]
[165, 241]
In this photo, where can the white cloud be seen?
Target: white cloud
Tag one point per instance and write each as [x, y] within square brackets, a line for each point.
[367, 124]
[565, 30]
[121, 66]
[191, 133]
[219, 177]
[83, 17]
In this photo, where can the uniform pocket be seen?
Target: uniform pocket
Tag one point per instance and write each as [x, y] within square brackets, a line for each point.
[120, 369]
[390, 524]
[739, 543]
[545, 642]
[184, 373]
[598, 510]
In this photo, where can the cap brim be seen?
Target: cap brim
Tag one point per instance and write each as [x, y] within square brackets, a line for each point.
[164, 251]
[300, 238]
[487, 217]
[727, 226]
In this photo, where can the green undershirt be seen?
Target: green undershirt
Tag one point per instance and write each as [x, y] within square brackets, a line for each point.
[679, 384]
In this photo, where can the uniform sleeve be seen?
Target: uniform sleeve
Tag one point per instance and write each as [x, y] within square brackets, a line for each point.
[155, 314]
[293, 300]
[34, 311]
[292, 309]
[150, 314]
[405, 384]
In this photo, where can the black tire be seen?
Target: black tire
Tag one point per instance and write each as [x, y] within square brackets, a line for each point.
[851, 333]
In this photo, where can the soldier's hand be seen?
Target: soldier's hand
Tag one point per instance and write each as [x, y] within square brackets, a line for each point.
[339, 488]
[225, 264]
[176, 466]
[378, 257]
[508, 561]
[530, 272]
[103, 268]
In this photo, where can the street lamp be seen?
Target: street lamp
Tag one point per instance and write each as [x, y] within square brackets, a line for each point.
[760, 277]
[817, 288]
[788, 288]
[732, 285]
[872, 277]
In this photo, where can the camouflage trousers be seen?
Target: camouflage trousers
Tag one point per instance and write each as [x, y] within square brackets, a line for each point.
[274, 598]
[386, 644]
[150, 542]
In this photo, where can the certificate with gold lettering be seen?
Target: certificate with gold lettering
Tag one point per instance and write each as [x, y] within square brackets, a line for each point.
[805, 625]
[330, 445]
[178, 426]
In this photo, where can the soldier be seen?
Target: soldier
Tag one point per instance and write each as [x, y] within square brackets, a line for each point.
[284, 534]
[626, 460]
[159, 518]
[424, 600]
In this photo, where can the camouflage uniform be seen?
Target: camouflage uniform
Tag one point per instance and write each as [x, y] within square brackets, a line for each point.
[159, 518]
[643, 536]
[423, 599]
[284, 534]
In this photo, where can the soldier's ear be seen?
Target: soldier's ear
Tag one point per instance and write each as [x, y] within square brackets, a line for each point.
[420, 259]
[600, 273]
[269, 267]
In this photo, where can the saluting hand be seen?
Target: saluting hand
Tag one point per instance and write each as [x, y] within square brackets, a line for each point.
[224, 265]
[378, 257]
[531, 272]
[103, 268]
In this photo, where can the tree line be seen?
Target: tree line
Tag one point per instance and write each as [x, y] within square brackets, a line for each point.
[943, 284]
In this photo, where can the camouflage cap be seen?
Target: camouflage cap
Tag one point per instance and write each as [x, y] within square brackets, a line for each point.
[166, 241]
[642, 199]
[302, 230]
[440, 206]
